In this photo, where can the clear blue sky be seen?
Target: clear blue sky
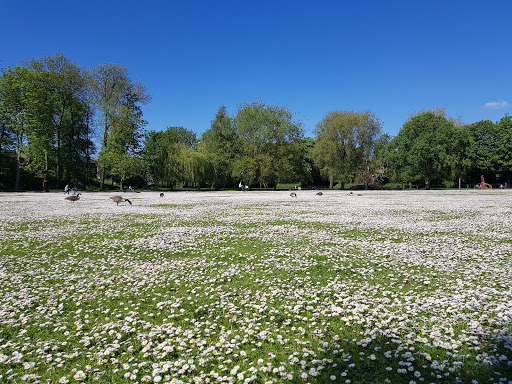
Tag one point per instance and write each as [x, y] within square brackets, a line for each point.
[393, 58]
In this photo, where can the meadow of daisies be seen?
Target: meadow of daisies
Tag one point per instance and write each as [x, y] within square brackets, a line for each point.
[239, 287]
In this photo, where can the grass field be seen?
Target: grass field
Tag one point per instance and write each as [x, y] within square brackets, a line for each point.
[386, 287]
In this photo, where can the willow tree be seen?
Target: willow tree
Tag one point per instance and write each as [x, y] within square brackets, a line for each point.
[169, 156]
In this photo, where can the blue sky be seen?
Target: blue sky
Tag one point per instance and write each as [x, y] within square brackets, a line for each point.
[393, 58]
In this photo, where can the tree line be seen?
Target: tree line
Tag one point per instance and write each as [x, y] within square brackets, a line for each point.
[69, 125]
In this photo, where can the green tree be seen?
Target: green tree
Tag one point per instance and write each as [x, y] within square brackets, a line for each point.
[504, 146]
[344, 144]
[383, 157]
[166, 156]
[482, 149]
[269, 141]
[429, 148]
[61, 138]
[220, 145]
[14, 91]
[121, 156]
[113, 89]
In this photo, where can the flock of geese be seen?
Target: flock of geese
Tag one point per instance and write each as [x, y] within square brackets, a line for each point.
[115, 199]
[120, 199]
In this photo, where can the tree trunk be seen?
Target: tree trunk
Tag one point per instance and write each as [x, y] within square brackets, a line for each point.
[18, 173]
[102, 178]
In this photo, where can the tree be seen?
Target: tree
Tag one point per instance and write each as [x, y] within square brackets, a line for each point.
[429, 148]
[14, 91]
[165, 155]
[120, 156]
[220, 145]
[504, 146]
[344, 144]
[61, 138]
[269, 140]
[112, 88]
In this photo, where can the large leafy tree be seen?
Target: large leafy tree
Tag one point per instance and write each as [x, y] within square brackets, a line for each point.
[344, 144]
[504, 146]
[121, 154]
[482, 149]
[116, 95]
[61, 139]
[15, 89]
[270, 145]
[430, 148]
[220, 145]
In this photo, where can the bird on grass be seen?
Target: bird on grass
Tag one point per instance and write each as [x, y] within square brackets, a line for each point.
[73, 197]
[293, 194]
[319, 193]
[161, 194]
[120, 199]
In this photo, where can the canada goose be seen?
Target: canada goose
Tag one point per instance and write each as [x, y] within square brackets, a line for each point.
[161, 194]
[319, 193]
[293, 194]
[73, 197]
[120, 199]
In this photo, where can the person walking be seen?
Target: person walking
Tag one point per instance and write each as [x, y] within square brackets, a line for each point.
[66, 189]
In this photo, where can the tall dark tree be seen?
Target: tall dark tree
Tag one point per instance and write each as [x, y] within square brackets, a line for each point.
[112, 87]
[504, 146]
[63, 128]
[16, 118]
[121, 154]
[220, 145]
[482, 150]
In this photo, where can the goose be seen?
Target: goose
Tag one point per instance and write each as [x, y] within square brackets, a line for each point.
[120, 199]
[73, 197]
[161, 194]
[293, 194]
[319, 193]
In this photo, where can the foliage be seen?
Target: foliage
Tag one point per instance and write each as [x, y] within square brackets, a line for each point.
[118, 101]
[120, 155]
[220, 145]
[170, 156]
[504, 145]
[270, 150]
[344, 144]
[428, 148]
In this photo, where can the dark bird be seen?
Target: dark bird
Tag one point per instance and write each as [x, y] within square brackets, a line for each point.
[73, 197]
[120, 199]
[161, 194]
[319, 193]
[293, 194]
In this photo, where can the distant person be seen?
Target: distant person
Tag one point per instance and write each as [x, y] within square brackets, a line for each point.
[74, 189]
[45, 184]
[66, 189]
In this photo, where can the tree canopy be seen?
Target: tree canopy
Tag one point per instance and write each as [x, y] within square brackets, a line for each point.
[59, 121]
